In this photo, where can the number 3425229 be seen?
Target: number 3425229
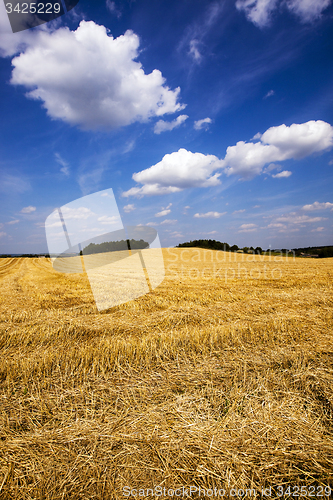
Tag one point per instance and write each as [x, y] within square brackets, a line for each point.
[33, 8]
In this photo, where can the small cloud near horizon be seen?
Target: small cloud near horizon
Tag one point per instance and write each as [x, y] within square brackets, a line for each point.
[210, 215]
[318, 206]
[283, 174]
[247, 228]
[129, 208]
[28, 210]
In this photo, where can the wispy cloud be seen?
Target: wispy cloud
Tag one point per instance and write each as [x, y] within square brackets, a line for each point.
[168, 221]
[209, 215]
[176, 234]
[269, 94]
[193, 42]
[259, 12]
[165, 211]
[204, 123]
[91, 171]
[194, 50]
[106, 220]
[10, 184]
[64, 164]
[276, 225]
[129, 208]
[162, 126]
[111, 6]
[89, 181]
[294, 218]
[306, 10]
[283, 174]
[247, 228]
[28, 210]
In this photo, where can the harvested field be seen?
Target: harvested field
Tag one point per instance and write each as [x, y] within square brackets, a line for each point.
[221, 377]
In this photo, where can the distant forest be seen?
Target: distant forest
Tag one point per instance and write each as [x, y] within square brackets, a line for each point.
[109, 246]
[114, 246]
[319, 252]
[217, 245]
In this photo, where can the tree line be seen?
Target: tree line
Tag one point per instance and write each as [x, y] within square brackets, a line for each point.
[114, 246]
[319, 252]
[218, 245]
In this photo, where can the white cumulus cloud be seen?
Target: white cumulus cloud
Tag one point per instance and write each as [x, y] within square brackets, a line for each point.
[318, 206]
[278, 144]
[177, 171]
[299, 140]
[90, 79]
[184, 169]
[163, 126]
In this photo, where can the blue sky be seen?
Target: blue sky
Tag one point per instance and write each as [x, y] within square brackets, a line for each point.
[208, 119]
